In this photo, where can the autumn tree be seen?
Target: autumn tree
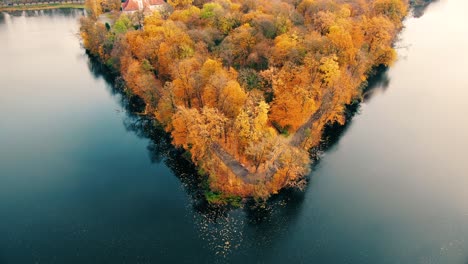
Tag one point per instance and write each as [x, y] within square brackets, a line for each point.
[179, 3]
[94, 8]
[94, 35]
[251, 80]
[291, 164]
[110, 5]
[251, 122]
[236, 48]
[294, 97]
[187, 83]
[379, 32]
[329, 70]
[260, 152]
[395, 10]
[197, 131]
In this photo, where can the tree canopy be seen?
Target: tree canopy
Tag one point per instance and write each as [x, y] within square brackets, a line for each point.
[239, 78]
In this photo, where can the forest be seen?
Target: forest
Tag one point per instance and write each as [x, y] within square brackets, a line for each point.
[246, 87]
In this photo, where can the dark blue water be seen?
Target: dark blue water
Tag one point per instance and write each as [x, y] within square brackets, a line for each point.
[83, 180]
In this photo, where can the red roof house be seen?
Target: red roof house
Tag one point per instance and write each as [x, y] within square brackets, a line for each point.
[131, 6]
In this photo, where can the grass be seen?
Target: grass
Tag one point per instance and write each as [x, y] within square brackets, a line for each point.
[40, 7]
[217, 198]
[222, 199]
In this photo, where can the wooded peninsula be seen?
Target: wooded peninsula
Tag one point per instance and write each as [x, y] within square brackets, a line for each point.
[246, 87]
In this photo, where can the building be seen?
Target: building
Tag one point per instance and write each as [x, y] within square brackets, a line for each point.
[147, 6]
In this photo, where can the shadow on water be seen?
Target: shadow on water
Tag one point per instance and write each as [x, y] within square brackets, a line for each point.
[159, 147]
[286, 202]
[264, 221]
[222, 228]
[225, 230]
[420, 6]
[377, 83]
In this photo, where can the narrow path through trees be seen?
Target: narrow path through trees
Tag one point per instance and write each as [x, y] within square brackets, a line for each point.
[297, 139]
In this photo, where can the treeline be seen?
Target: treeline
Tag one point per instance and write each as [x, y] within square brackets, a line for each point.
[29, 2]
[240, 78]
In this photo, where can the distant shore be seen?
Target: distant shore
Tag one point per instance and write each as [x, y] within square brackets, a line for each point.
[41, 6]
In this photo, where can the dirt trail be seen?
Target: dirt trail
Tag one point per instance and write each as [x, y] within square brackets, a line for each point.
[236, 167]
[297, 139]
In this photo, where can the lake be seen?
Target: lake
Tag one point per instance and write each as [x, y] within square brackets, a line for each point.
[84, 180]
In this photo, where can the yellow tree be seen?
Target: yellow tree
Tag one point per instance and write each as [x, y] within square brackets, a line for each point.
[285, 45]
[178, 4]
[94, 8]
[232, 99]
[329, 70]
[379, 32]
[259, 152]
[196, 131]
[293, 164]
[294, 99]
[395, 10]
[186, 83]
[166, 106]
[251, 123]
[343, 43]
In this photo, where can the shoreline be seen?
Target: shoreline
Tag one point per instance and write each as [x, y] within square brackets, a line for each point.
[227, 175]
[41, 6]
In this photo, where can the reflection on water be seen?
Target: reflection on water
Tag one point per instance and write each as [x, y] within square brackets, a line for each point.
[62, 12]
[86, 180]
[224, 230]
[377, 84]
[419, 10]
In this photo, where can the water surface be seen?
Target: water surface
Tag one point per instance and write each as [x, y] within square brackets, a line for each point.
[82, 180]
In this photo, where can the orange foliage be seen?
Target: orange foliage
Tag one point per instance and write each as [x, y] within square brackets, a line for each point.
[227, 76]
